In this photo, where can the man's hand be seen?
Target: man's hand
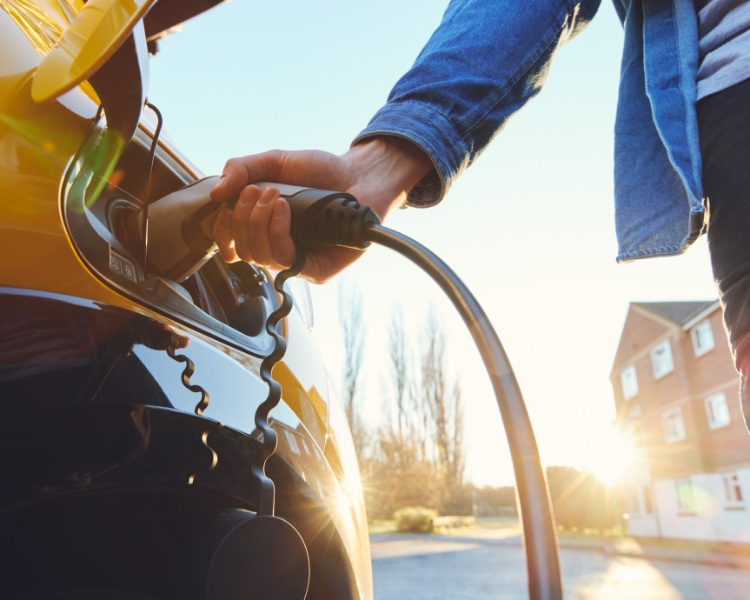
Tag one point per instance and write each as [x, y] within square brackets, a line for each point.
[379, 173]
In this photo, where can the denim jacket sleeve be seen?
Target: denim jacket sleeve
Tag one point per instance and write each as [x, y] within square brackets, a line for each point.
[486, 59]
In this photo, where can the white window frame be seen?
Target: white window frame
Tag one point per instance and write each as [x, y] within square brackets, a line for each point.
[717, 411]
[647, 500]
[703, 337]
[292, 441]
[685, 496]
[628, 391]
[633, 500]
[673, 425]
[661, 359]
[734, 494]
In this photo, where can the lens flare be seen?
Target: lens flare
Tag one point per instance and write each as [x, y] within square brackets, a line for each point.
[612, 457]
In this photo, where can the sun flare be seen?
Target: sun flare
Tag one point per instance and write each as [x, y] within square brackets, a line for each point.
[613, 457]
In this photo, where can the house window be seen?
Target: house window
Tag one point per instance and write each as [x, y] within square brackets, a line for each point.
[661, 359]
[674, 426]
[293, 446]
[629, 382]
[717, 411]
[632, 504]
[646, 499]
[638, 500]
[685, 496]
[703, 337]
[733, 496]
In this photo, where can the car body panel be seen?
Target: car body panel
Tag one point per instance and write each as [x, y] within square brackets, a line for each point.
[42, 22]
[41, 261]
[90, 39]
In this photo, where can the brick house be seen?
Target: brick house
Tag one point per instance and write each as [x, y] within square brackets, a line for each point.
[676, 394]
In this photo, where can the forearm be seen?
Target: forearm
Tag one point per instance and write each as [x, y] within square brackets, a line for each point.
[483, 63]
[390, 163]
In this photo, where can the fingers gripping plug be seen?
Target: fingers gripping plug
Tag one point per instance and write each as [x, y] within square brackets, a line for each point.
[181, 224]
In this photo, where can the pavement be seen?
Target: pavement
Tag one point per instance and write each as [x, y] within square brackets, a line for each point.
[489, 563]
[635, 549]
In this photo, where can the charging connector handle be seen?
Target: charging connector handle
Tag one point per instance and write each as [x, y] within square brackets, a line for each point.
[328, 226]
[321, 218]
[182, 224]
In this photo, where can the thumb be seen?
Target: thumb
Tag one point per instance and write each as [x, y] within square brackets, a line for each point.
[241, 172]
[232, 181]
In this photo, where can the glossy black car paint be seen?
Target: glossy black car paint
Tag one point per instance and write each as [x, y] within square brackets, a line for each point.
[103, 492]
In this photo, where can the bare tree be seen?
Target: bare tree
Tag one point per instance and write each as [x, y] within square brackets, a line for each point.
[399, 368]
[458, 459]
[416, 459]
[352, 324]
[442, 409]
[432, 389]
[455, 455]
[397, 475]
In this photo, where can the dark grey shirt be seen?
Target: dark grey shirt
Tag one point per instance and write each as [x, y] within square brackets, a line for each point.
[724, 44]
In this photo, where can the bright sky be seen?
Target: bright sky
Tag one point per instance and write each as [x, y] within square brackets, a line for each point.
[529, 227]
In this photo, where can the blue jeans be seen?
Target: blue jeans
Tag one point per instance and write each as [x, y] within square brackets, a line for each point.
[724, 122]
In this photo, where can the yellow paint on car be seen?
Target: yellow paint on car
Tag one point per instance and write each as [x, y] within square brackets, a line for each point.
[312, 412]
[87, 43]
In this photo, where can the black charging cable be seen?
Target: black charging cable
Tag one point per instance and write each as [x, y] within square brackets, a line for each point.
[339, 220]
[540, 538]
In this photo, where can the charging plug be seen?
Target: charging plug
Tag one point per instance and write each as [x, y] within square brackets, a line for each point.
[325, 218]
[181, 224]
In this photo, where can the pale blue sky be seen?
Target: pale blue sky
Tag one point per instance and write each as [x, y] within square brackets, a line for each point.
[529, 227]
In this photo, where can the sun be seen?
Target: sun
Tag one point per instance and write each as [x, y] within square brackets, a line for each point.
[613, 456]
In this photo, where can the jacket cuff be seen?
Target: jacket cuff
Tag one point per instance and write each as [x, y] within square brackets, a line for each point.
[434, 134]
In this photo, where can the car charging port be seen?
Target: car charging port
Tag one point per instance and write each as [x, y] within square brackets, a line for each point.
[101, 211]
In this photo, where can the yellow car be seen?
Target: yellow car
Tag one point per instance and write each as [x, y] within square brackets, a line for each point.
[112, 454]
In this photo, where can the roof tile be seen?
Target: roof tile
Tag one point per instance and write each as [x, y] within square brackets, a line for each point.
[677, 312]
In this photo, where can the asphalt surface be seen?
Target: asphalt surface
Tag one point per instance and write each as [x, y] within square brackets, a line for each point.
[485, 565]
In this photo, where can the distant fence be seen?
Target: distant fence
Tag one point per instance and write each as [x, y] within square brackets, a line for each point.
[483, 510]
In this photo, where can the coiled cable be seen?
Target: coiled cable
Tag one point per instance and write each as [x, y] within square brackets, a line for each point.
[267, 500]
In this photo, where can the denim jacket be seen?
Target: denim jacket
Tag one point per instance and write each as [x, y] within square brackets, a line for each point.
[489, 57]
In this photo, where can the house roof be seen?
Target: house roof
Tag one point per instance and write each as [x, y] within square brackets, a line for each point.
[677, 312]
[682, 314]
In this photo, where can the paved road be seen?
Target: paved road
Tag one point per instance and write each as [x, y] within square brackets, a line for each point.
[483, 566]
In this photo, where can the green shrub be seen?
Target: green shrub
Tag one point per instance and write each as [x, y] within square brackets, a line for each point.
[416, 519]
